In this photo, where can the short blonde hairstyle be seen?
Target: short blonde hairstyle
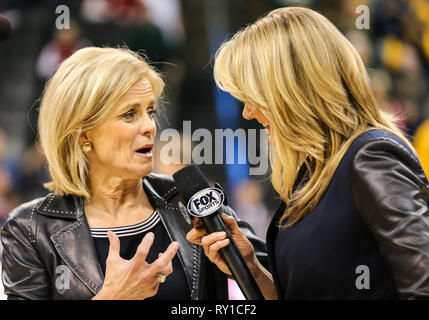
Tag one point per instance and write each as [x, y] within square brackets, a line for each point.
[77, 98]
[297, 68]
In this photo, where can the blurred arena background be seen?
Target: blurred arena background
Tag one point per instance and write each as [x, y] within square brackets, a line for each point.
[180, 38]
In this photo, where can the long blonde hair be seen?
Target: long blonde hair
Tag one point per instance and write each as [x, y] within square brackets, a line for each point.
[309, 81]
[78, 97]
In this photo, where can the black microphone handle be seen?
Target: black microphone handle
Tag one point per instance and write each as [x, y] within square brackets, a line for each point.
[234, 260]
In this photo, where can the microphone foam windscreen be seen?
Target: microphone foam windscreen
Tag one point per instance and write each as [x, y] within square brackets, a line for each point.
[189, 181]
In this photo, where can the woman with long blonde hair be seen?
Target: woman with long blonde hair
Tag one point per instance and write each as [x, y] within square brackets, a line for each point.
[353, 222]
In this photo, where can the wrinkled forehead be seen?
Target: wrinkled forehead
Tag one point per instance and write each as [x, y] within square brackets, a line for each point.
[140, 93]
[141, 89]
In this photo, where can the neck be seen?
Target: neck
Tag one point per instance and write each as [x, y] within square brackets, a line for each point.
[114, 196]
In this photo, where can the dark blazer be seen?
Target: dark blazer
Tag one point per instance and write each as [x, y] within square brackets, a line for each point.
[372, 219]
[42, 236]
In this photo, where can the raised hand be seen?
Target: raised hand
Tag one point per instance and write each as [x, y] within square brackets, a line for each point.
[134, 279]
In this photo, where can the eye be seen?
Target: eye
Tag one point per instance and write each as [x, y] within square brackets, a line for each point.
[130, 115]
[152, 112]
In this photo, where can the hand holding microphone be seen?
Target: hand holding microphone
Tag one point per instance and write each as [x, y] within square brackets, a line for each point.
[204, 202]
[212, 243]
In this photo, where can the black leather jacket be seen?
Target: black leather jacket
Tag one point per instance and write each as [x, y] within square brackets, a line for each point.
[44, 238]
[375, 213]
[391, 192]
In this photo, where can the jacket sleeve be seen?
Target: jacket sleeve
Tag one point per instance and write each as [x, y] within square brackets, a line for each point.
[391, 193]
[23, 273]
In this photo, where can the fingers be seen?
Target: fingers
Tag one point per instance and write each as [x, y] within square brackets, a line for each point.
[114, 245]
[162, 262]
[164, 265]
[197, 222]
[168, 269]
[215, 247]
[148, 275]
[230, 222]
[143, 249]
[213, 242]
[195, 235]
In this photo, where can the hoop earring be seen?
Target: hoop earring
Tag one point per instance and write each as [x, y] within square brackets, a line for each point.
[87, 147]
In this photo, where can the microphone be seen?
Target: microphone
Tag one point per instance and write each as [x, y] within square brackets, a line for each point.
[5, 28]
[203, 201]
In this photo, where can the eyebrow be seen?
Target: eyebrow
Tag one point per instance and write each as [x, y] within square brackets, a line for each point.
[152, 103]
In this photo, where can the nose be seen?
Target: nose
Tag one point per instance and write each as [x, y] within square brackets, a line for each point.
[148, 127]
[247, 112]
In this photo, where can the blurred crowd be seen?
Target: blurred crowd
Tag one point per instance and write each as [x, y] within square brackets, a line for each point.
[396, 52]
[172, 34]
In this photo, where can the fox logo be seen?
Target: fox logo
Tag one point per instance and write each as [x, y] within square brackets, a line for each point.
[205, 202]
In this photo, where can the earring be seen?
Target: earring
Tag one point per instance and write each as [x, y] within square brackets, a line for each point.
[87, 147]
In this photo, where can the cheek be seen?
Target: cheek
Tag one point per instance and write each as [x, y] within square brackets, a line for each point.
[266, 120]
[114, 142]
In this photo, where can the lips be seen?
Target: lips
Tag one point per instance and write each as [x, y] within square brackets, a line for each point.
[145, 151]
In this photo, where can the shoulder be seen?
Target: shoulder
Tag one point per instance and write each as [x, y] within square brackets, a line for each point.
[21, 222]
[23, 212]
[386, 175]
[381, 139]
[386, 152]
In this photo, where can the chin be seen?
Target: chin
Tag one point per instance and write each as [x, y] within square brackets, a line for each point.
[145, 171]
[138, 172]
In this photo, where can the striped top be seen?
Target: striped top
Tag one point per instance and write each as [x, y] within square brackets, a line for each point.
[176, 287]
[134, 229]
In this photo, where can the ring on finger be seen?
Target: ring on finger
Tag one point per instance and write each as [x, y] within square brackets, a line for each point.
[161, 278]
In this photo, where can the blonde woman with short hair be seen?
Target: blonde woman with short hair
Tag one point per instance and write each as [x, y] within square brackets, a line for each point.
[353, 222]
[110, 228]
